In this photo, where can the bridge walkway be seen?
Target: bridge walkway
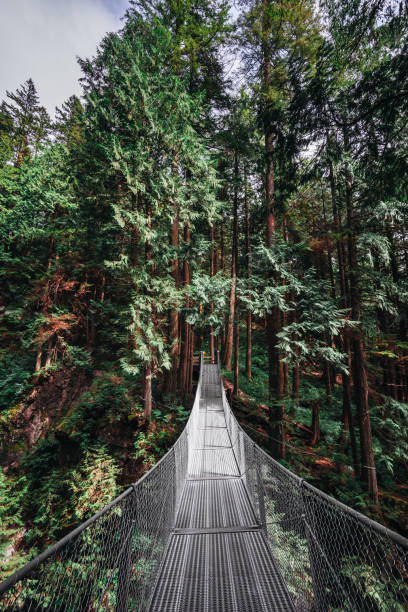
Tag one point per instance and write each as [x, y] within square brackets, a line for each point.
[217, 557]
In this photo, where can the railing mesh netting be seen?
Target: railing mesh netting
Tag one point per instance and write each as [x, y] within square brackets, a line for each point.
[330, 556]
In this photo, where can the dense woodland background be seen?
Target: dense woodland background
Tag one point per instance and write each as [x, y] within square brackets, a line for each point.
[234, 179]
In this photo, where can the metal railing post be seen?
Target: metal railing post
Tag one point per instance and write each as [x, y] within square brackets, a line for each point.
[124, 567]
[319, 603]
[261, 492]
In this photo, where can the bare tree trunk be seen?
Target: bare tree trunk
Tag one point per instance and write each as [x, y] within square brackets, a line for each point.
[276, 423]
[38, 360]
[185, 344]
[248, 361]
[212, 272]
[230, 326]
[315, 424]
[171, 379]
[147, 393]
[48, 358]
[222, 266]
[190, 363]
[296, 368]
[147, 375]
[359, 358]
[348, 424]
[236, 355]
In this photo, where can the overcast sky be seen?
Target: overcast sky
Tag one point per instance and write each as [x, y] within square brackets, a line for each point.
[42, 38]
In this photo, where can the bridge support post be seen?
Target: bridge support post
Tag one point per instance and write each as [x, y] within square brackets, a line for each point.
[319, 595]
[124, 566]
[261, 492]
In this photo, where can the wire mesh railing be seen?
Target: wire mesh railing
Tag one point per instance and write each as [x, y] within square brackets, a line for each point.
[331, 557]
[110, 562]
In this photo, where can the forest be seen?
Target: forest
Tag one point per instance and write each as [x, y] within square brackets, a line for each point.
[233, 179]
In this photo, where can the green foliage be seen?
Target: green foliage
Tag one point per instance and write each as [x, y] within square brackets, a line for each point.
[372, 585]
[14, 382]
[11, 524]
[94, 482]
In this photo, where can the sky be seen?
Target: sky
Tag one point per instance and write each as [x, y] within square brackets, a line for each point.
[42, 38]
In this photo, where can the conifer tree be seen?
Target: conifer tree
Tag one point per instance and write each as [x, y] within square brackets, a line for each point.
[274, 34]
[31, 122]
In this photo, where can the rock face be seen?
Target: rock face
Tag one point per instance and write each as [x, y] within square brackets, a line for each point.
[32, 419]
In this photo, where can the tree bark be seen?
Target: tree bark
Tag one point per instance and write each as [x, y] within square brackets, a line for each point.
[359, 358]
[248, 360]
[273, 322]
[348, 424]
[236, 356]
[190, 363]
[171, 379]
[148, 372]
[234, 256]
[222, 267]
[185, 341]
[315, 424]
[38, 360]
[147, 392]
[212, 272]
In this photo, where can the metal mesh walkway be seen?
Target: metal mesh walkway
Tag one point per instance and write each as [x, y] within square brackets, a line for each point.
[217, 525]
[217, 557]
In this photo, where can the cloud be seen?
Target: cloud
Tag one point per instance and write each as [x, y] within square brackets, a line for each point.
[42, 38]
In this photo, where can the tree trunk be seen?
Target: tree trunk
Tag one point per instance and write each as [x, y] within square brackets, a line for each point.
[171, 379]
[315, 424]
[222, 267]
[296, 368]
[48, 358]
[147, 393]
[236, 356]
[248, 361]
[147, 375]
[273, 322]
[185, 343]
[348, 424]
[190, 363]
[359, 358]
[234, 256]
[38, 360]
[212, 272]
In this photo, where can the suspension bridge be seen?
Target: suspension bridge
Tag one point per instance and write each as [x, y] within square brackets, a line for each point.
[218, 526]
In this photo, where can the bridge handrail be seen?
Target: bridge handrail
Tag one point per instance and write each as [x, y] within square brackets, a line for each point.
[128, 496]
[339, 540]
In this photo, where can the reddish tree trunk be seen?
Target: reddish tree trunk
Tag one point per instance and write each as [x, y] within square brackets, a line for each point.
[359, 358]
[148, 373]
[276, 424]
[315, 424]
[234, 256]
[38, 360]
[171, 379]
[185, 342]
[222, 267]
[147, 393]
[190, 363]
[248, 361]
[348, 424]
[212, 272]
[236, 356]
